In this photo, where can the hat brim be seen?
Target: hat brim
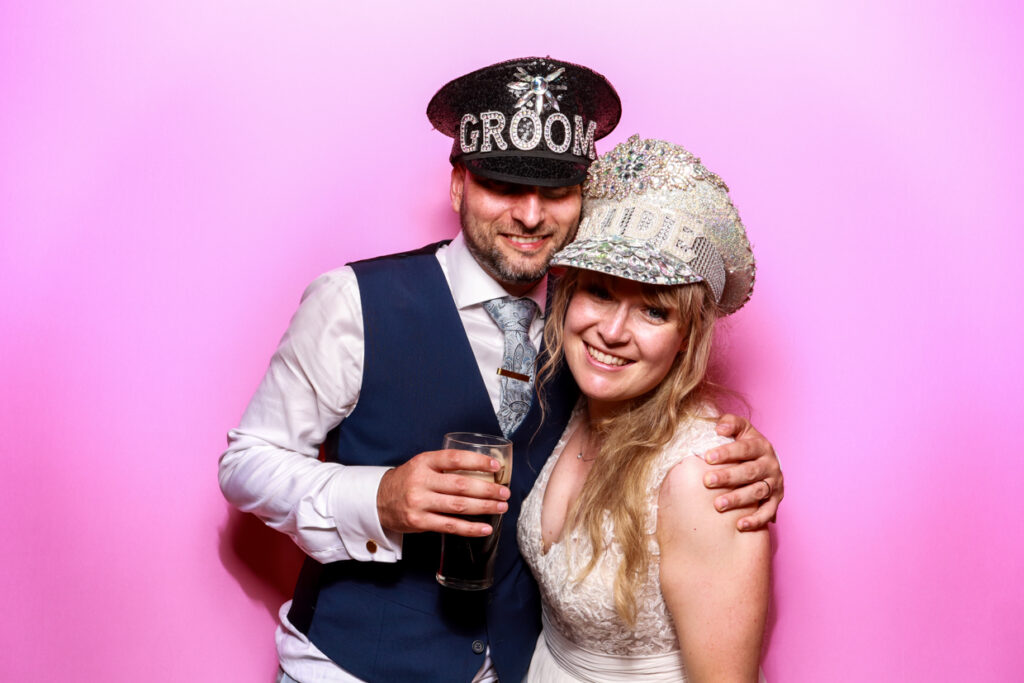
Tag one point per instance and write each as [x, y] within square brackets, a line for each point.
[522, 169]
[628, 259]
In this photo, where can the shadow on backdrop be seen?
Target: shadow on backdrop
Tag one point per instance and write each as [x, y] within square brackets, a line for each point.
[265, 562]
[773, 605]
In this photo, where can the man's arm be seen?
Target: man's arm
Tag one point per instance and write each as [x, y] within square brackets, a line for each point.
[332, 511]
[271, 465]
[752, 471]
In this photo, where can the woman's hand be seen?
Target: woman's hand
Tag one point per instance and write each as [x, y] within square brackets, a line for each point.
[751, 470]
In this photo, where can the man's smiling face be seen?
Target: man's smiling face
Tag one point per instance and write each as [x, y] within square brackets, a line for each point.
[513, 230]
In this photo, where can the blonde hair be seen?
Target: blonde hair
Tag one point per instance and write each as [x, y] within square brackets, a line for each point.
[630, 440]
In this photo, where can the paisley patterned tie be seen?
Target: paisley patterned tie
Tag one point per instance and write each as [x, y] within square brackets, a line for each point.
[514, 317]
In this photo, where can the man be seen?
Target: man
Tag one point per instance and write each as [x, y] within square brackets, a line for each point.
[385, 356]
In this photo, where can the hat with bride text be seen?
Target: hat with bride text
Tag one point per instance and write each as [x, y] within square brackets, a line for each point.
[653, 213]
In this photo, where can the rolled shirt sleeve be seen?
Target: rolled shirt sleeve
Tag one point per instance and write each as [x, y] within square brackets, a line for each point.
[271, 466]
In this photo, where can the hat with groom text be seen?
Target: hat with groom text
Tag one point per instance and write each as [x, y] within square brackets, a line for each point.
[531, 121]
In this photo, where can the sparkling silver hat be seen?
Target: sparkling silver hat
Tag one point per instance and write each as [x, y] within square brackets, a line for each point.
[652, 212]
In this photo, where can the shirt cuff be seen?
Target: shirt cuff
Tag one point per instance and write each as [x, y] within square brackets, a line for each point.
[357, 520]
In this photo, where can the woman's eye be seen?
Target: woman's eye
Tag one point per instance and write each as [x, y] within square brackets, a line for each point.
[598, 292]
[657, 313]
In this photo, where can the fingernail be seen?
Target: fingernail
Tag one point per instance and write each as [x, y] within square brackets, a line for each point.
[502, 507]
[722, 428]
[711, 480]
[505, 493]
[485, 530]
[711, 457]
[495, 465]
[744, 525]
[722, 504]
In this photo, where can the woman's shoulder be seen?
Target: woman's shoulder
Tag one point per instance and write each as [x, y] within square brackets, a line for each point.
[677, 476]
[686, 506]
[694, 437]
[681, 491]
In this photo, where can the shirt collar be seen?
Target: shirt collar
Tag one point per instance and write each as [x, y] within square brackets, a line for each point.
[470, 283]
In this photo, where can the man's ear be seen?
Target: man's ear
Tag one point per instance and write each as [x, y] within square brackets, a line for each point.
[457, 187]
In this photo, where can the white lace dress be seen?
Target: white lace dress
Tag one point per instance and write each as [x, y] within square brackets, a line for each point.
[584, 639]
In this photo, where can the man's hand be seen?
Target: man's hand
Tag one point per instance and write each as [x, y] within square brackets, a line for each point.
[423, 493]
[752, 471]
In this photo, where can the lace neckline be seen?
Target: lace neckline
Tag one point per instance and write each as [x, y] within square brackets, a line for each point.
[542, 481]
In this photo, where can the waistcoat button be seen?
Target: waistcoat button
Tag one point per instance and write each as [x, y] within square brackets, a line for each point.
[478, 647]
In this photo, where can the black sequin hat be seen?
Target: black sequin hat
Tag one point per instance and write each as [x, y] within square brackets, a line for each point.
[531, 121]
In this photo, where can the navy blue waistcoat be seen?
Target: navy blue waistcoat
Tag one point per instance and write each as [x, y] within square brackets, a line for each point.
[394, 622]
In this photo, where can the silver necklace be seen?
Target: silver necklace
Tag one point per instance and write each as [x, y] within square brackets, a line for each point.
[586, 442]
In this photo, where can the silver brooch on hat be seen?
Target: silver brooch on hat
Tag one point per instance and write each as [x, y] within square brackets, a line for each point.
[636, 165]
[536, 90]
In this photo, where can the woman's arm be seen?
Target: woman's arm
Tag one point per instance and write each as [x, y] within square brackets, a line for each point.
[715, 579]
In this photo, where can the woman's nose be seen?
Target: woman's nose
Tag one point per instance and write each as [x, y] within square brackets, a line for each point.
[614, 327]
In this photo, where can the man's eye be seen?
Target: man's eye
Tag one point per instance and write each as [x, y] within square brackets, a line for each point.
[498, 187]
[556, 192]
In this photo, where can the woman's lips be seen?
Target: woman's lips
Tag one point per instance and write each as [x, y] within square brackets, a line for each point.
[606, 358]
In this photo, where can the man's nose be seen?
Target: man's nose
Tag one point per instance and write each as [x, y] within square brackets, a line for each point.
[529, 208]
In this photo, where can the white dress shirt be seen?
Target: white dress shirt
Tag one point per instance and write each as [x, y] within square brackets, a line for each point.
[270, 467]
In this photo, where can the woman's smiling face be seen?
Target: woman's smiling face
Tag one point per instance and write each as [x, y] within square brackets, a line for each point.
[618, 345]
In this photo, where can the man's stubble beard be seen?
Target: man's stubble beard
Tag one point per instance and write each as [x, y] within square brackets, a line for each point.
[492, 260]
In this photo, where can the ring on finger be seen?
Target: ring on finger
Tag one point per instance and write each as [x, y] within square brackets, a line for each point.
[770, 490]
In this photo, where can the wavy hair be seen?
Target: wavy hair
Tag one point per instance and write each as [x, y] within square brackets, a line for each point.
[631, 439]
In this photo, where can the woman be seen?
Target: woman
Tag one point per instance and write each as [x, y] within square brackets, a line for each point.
[640, 577]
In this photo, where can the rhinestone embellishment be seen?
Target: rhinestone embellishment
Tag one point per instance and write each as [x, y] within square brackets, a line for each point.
[636, 165]
[652, 212]
[535, 91]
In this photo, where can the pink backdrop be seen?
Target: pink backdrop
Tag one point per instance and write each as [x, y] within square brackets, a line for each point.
[172, 174]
